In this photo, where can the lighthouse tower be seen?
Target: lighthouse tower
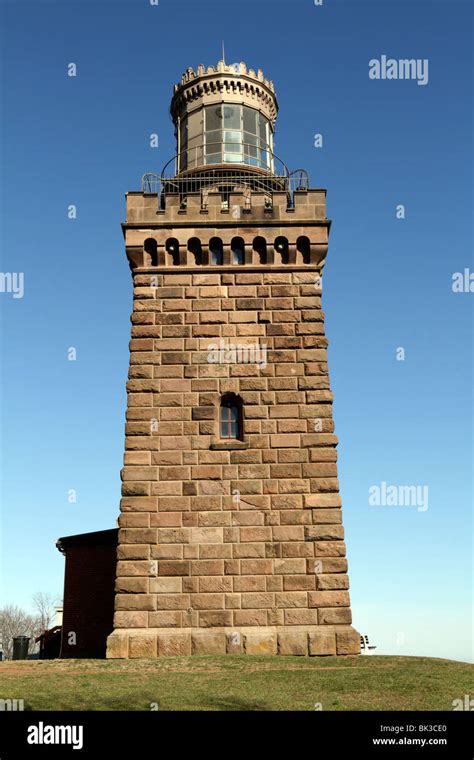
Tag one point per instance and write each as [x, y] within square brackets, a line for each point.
[231, 537]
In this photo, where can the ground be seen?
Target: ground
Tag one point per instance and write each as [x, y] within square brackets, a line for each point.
[238, 683]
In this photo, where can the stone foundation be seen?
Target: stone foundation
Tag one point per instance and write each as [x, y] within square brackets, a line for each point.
[308, 641]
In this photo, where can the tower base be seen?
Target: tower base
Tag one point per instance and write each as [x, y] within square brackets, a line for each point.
[130, 643]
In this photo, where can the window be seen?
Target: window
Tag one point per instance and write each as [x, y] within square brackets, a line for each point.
[262, 132]
[236, 134]
[216, 253]
[283, 253]
[194, 248]
[213, 117]
[194, 139]
[250, 120]
[183, 139]
[231, 417]
[303, 250]
[232, 117]
[238, 251]
[172, 251]
[260, 248]
[225, 134]
[213, 134]
[150, 246]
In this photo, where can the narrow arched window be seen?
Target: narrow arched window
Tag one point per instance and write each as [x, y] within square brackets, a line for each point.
[216, 252]
[231, 417]
[303, 249]
[281, 246]
[195, 249]
[150, 246]
[260, 248]
[172, 251]
[238, 250]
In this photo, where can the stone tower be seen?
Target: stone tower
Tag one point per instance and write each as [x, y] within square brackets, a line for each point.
[231, 536]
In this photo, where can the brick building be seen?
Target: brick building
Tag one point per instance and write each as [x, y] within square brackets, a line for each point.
[88, 600]
[231, 536]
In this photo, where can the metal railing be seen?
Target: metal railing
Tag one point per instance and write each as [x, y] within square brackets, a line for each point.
[225, 177]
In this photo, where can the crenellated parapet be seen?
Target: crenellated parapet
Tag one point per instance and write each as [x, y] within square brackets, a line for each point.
[229, 82]
[266, 236]
[238, 69]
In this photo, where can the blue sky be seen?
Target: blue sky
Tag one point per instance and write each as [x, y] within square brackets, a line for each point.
[84, 140]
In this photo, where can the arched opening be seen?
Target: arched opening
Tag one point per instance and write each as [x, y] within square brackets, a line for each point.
[172, 251]
[237, 247]
[231, 417]
[150, 246]
[303, 250]
[216, 251]
[260, 248]
[195, 249]
[282, 250]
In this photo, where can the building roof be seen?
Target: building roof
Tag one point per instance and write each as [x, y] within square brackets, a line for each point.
[88, 539]
[47, 634]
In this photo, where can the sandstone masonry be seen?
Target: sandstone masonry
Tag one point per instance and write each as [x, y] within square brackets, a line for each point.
[229, 545]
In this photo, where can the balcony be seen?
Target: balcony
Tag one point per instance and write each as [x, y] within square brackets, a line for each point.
[225, 178]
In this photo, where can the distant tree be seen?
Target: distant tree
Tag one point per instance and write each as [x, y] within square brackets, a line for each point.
[44, 605]
[15, 622]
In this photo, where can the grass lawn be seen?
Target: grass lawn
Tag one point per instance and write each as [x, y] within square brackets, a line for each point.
[238, 683]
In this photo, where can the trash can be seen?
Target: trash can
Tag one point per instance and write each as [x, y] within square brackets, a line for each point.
[20, 647]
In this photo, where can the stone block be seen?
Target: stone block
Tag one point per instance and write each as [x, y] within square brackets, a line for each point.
[324, 532]
[322, 643]
[131, 585]
[257, 601]
[142, 645]
[165, 619]
[333, 582]
[293, 643]
[301, 617]
[328, 599]
[117, 646]
[260, 643]
[291, 599]
[215, 618]
[172, 601]
[135, 602]
[249, 583]
[234, 642]
[336, 616]
[208, 601]
[126, 619]
[174, 644]
[208, 642]
[347, 642]
[215, 584]
[250, 617]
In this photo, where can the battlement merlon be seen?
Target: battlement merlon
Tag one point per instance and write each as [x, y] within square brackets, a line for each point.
[303, 229]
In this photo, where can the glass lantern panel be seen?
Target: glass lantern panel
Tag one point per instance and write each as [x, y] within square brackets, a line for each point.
[232, 117]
